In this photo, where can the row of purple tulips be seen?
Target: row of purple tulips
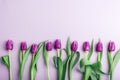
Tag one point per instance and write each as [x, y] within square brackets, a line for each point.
[57, 45]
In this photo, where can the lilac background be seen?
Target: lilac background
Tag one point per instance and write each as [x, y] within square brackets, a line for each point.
[37, 20]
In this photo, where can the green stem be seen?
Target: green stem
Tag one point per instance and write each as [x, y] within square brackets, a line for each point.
[59, 53]
[99, 56]
[47, 63]
[10, 69]
[59, 69]
[87, 72]
[70, 72]
[110, 59]
[99, 59]
[23, 54]
[71, 66]
[33, 56]
[48, 70]
[21, 60]
[87, 69]
[111, 76]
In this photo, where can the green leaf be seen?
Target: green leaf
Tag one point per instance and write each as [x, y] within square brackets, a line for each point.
[46, 55]
[91, 50]
[65, 65]
[60, 68]
[33, 71]
[71, 62]
[92, 69]
[5, 60]
[115, 61]
[24, 62]
[93, 77]
[110, 59]
[81, 70]
[38, 53]
[68, 48]
[55, 61]
[84, 62]
[97, 68]
[88, 72]
[46, 59]
[20, 56]
[76, 59]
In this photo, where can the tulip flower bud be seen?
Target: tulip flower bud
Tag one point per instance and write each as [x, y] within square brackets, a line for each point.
[49, 46]
[99, 47]
[74, 46]
[23, 46]
[111, 46]
[9, 45]
[34, 48]
[57, 44]
[86, 46]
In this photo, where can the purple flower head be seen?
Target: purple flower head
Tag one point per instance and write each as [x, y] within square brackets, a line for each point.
[74, 46]
[49, 46]
[111, 46]
[86, 46]
[34, 48]
[9, 45]
[99, 47]
[23, 46]
[57, 44]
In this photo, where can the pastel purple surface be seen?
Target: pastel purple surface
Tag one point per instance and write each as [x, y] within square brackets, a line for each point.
[36, 20]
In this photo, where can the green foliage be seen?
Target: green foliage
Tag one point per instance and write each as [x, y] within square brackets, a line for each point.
[34, 62]
[23, 62]
[5, 60]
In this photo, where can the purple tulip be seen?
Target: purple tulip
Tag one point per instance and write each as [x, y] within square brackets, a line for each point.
[99, 47]
[74, 46]
[111, 46]
[49, 46]
[86, 46]
[23, 46]
[57, 44]
[9, 45]
[34, 49]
